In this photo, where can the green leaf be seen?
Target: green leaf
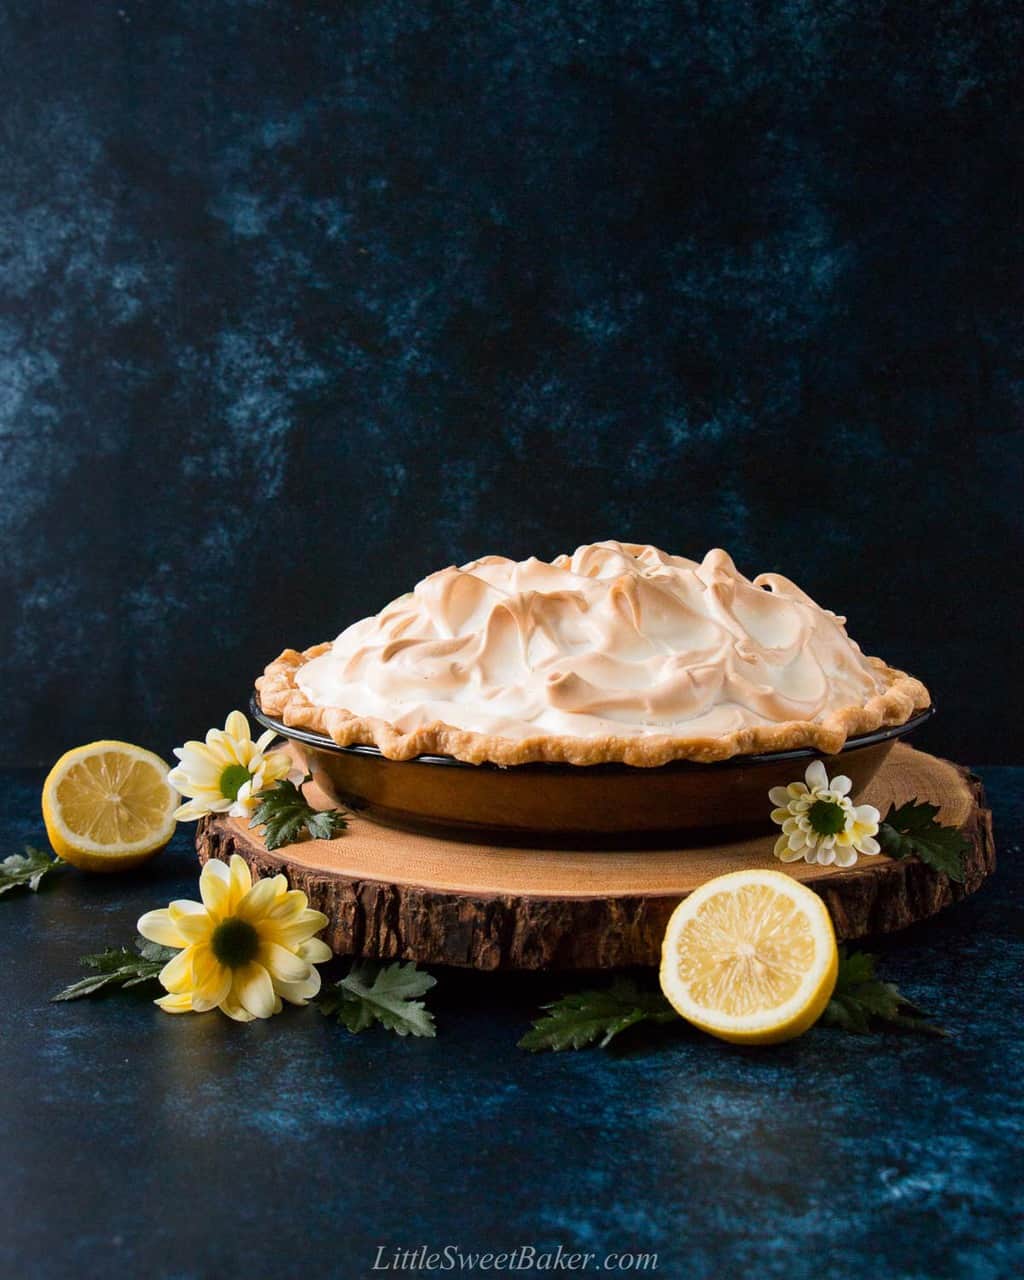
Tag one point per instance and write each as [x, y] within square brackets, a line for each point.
[285, 814]
[27, 869]
[119, 967]
[911, 830]
[154, 951]
[861, 1001]
[588, 1017]
[371, 992]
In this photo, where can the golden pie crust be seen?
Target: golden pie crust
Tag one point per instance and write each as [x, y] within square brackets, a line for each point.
[281, 697]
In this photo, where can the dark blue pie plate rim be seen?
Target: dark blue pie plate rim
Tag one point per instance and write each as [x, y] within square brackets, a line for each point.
[322, 743]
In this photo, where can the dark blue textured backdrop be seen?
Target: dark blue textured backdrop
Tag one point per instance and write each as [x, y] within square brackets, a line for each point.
[299, 302]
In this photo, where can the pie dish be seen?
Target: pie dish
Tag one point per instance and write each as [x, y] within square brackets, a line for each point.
[617, 654]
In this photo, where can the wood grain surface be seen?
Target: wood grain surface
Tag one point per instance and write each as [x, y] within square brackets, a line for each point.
[395, 894]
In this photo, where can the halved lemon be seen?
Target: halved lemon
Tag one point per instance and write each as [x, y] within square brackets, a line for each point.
[108, 806]
[750, 957]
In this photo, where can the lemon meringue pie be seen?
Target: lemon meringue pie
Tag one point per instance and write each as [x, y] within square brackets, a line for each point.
[619, 652]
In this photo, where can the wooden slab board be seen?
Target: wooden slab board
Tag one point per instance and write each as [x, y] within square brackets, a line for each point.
[394, 894]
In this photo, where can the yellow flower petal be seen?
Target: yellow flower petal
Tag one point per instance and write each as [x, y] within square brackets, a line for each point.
[197, 772]
[205, 966]
[197, 926]
[158, 927]
[237, 726]
[230, 751]
[254, 990]
[182, 907]
[241, 881]
[867, 816]
[299, 992]
[291, 933]
[176, 975]
[233, 1009]
[212, 981]
[176, 1003]
[192, 810]
[260, 898]
[282, 964]
[289, 904]
[277, 765]
[215, 886]
[315, 951]
[197, 755]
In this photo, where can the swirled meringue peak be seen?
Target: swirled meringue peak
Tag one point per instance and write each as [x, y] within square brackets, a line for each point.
[615, 640]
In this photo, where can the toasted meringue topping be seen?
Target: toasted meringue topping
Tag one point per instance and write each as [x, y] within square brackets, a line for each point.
[616, 639]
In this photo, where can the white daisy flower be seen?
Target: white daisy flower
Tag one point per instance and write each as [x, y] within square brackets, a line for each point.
[819, 821]
[224, 773]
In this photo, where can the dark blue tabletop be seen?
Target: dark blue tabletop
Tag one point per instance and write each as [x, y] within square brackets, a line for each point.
[137, 1144]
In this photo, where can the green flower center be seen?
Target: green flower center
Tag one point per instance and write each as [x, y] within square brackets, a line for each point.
[826, 817]
[235, 942]
[234, 777]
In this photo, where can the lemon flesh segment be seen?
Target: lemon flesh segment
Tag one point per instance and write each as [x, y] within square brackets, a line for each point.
[108, 806]
[750, 957]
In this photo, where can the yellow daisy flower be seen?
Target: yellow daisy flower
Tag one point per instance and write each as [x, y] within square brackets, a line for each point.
[244, 948]
[224, 773]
